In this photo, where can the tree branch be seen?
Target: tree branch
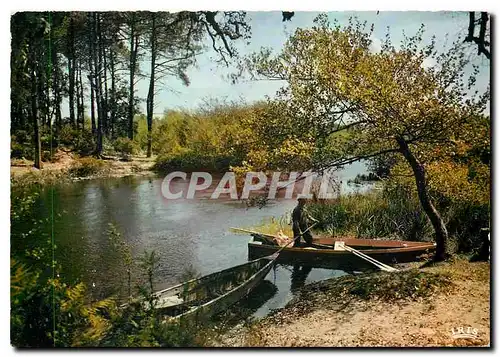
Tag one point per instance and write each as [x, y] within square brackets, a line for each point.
[480, 41]
[342, 163]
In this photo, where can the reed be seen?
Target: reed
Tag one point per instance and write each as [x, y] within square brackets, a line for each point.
[394, 212]
[273, 226]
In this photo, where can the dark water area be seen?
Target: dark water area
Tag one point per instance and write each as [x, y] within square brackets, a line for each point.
[187, 235]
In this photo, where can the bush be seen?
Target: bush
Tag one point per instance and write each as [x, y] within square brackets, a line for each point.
[21, 145]
[82, 141]
[464, 223]
[67, 135]
[125, 146]
[136, 327]
[86, 166]
[36, 299]
[192, 161]
[47, 156]
[47, 140]
[19, 151]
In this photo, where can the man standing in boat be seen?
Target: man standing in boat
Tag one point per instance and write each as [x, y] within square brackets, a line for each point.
[300, 223]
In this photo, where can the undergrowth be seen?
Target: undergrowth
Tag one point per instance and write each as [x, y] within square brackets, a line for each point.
[87, 166]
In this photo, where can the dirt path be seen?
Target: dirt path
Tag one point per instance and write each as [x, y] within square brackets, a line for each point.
[427, 322]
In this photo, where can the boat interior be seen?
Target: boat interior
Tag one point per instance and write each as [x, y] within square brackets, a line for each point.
[181, 298]
[357, 243]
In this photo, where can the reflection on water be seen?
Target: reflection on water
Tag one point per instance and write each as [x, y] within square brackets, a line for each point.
[299, 276]
[289, 279]
[185, 234]
[249, 305]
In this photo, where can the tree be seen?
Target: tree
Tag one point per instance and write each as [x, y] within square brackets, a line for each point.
[482, 40]
[101, 46]
[55, 73]
[133, 23]
[287, 15]
[151, 91]
[386, 102]
[223, 28]
[175, 39]
[173, 45]
[29, 55]
[71, 56]
[95, 75]
[117, 57]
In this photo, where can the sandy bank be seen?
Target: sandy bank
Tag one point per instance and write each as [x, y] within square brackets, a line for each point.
[323, 317]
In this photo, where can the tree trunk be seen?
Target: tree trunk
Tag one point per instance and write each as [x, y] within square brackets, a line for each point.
[41, 101]
[17, 117]
[100, 111]
[151, 92]
[92, 108]
[82, 105]
[106, 97]
[91, 78]
[77, 96]
[95, 80]
[34, 118]
[425, 201]
[71, 72]
[56, 88]
[71, 92]
[113, 93]
[102, 60]
[133, 57]
[58, 113]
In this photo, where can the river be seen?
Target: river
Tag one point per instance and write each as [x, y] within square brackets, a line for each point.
[187, 236]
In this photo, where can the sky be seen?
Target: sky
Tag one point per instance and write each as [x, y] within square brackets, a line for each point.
[268, 30]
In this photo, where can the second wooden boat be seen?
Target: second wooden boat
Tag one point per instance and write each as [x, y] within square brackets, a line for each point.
[198, 299]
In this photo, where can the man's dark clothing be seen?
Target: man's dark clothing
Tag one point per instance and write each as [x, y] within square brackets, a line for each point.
[300, 225]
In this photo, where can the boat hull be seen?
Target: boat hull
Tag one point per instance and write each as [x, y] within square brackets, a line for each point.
[207, 296]
[388, 252]
[204, 312]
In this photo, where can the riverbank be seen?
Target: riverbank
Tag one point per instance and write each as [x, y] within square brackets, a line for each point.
[66, 163]
[413, 308]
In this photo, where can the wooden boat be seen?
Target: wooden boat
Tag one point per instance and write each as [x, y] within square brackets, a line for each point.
[198, 299]
[323, 254]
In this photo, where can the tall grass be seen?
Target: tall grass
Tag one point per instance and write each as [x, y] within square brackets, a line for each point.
[273, 226]
[394, 212]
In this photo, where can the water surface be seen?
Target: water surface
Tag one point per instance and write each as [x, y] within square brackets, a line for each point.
[187, 235]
